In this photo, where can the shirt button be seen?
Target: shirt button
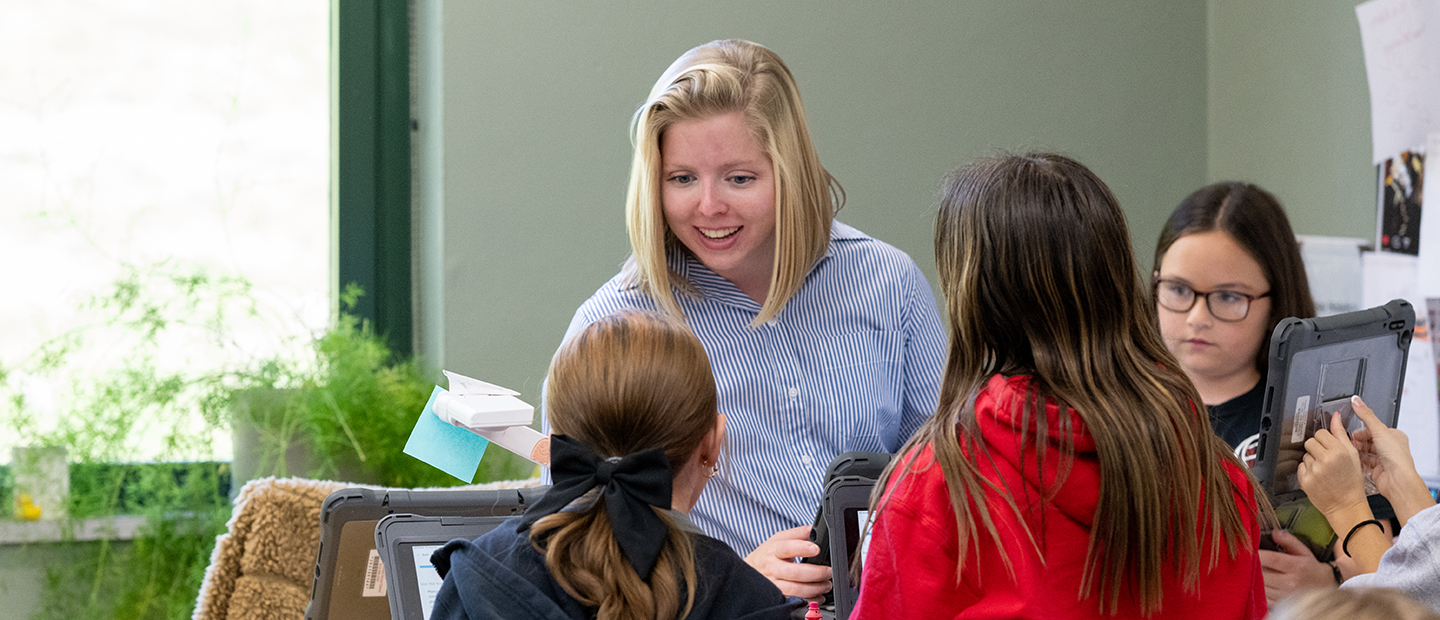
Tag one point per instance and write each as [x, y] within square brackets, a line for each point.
[794, 392]
[805, 458]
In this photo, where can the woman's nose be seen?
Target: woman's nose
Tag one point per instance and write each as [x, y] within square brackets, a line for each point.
[711, 202]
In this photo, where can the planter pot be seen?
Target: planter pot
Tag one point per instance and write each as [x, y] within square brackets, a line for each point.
[260, 434]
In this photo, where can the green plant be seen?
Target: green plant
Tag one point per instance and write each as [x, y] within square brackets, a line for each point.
[143, 434]
[353, 406]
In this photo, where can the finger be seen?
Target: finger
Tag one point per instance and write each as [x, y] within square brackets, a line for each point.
[802, 589]
[812, 574]
[1321, 438]
[786, 549]
[801, 532]
[1337, 428]
[1289, 543]
[1275, 563]
[1366, 415]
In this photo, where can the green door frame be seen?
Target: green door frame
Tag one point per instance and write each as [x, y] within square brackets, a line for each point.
[370, 167]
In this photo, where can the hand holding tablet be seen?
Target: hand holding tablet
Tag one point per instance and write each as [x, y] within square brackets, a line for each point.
[1330, 472]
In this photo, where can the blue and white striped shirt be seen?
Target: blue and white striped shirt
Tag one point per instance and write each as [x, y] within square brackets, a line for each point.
[853, 362]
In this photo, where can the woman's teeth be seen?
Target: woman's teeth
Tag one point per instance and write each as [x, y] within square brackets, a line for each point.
[718, 233]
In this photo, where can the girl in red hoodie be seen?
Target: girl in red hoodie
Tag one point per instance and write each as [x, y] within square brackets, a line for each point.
[1068, 472]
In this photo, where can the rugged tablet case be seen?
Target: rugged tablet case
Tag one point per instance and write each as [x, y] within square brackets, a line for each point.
[347, 528]
[862, 464]
[395, 532]
[844, 496]
[1315, 366]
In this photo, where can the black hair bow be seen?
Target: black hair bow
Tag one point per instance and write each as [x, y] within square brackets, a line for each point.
[631, 485]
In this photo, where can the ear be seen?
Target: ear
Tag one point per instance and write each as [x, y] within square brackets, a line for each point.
[714, 442]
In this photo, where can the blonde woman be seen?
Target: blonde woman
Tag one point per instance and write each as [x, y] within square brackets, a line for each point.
[823, 340]
[1069, 471]
[633, 404]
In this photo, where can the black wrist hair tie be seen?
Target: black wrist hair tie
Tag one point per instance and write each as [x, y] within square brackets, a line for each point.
[1345, 546]
[630, 486]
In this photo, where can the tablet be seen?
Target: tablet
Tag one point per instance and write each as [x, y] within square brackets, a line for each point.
[847, 513]
[1316, 365]
[349, 577]
[405, 542]
[863, 464]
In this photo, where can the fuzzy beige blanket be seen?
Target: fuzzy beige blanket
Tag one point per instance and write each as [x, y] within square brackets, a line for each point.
[264, 565]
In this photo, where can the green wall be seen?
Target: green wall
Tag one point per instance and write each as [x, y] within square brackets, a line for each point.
[1290, 109]
[537, 99]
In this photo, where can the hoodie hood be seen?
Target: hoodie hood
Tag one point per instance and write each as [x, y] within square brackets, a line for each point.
[501, 575]
[493, 589]
[1001, 411]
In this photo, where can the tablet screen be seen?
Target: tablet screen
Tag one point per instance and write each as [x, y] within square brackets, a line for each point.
[855, 520]
[427, 579]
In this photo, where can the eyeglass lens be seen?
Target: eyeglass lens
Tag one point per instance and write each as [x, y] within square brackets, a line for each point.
[1224, 305]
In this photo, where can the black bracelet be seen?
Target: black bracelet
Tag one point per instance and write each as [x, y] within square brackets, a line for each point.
[1345, 546]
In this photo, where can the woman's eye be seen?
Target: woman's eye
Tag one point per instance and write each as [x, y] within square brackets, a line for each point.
[1178, 290]
[742, 179]
[682, 179]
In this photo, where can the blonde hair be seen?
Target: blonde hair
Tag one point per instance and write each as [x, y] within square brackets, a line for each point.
[1352, 604]
[723, 77]
[628, 382]
[1035, 265]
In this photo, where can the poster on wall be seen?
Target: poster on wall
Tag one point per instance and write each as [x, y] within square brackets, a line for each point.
[1390, 276]
[1402, 183]
[1401, 41]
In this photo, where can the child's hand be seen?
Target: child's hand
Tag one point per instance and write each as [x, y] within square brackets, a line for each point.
[1330, 472]
[1386, 453]
[1292, 569]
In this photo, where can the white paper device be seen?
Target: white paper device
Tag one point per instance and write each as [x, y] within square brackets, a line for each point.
[493, 412]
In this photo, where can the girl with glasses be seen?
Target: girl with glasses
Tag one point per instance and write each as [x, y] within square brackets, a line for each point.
[1227, 269]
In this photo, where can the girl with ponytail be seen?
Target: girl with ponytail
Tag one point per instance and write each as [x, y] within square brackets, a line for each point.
[636, 434]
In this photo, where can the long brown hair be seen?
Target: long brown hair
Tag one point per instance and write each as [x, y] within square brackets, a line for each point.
[626, 383]
[717, 78]
[1035, 264]
[1255, 220]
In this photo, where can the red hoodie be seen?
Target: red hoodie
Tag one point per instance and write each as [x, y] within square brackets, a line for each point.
[910, 568]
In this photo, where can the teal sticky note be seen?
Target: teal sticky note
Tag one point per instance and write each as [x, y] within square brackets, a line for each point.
[449, 448]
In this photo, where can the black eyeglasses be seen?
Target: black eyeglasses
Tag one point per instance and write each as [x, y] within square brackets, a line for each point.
[1228, 306]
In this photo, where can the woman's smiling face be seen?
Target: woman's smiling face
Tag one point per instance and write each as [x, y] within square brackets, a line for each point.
[718, 194]
[1212, 351]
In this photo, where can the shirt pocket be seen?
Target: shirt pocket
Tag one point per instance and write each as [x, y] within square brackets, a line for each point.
[861, 374]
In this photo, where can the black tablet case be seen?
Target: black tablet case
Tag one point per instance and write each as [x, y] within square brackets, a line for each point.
[395, 537]
[845, 498]
[347, 538]
[1315, 366]
[862, 464]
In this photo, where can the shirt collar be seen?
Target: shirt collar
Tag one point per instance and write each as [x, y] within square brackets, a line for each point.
[713, 285]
